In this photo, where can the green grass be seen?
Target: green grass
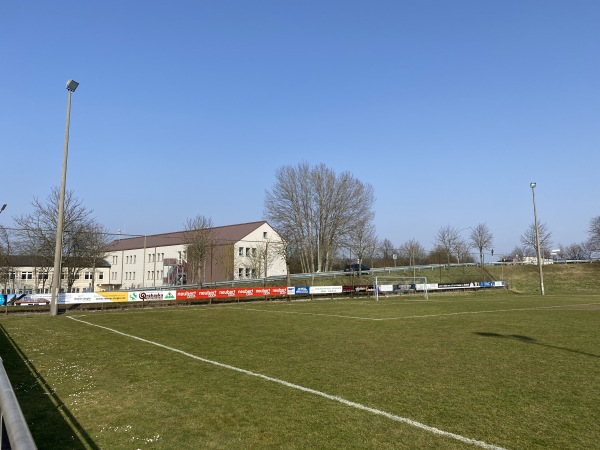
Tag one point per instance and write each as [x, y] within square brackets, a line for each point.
[512, 370]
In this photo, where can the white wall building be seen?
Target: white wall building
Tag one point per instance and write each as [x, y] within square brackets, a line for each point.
[26, 274]
[244, 251]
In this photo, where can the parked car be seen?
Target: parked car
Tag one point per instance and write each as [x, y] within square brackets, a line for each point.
[355, 268]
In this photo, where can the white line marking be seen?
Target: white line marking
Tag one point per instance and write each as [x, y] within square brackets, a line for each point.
[417, 316]
[334, 398]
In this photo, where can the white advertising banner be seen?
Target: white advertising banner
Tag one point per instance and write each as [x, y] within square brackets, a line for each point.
[325, 290]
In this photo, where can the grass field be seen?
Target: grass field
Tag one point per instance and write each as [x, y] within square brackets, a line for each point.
[484, 370]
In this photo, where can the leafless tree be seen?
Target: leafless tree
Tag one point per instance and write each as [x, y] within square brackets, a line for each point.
[529, 242]
[517, 254]
[448, 238]
[412, 252]
[482, 239]
[316, 211]
[594, 233]
[362, 242]
[264, 255]
[386, 252]
[574, 251]
[197, 235]
[6, 268]
[84, 239]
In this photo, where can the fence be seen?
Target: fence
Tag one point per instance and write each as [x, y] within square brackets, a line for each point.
[15, 432]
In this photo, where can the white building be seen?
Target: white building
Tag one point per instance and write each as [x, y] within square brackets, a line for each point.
[26, 274]
[233, 252]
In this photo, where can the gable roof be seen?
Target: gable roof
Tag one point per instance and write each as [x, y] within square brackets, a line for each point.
[228, 234]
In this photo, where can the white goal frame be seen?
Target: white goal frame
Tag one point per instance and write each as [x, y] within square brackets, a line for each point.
[416, 284]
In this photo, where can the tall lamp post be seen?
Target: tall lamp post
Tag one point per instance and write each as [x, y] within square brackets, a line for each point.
[71, 86]
[537, 239]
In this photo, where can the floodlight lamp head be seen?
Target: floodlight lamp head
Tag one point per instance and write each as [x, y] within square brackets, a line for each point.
[72, 85]
[532, 185]
[3, 207]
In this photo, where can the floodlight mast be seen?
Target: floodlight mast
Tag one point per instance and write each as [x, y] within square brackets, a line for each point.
[537, 239]
[56, 275]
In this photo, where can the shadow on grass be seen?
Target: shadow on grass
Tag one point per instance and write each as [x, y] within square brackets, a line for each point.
[530, 340]
[51, 424]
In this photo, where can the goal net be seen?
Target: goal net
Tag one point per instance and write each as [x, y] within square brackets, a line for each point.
[391, 285]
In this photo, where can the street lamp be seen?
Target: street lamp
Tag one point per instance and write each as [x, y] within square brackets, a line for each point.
[3, 208]
[537, 239]
[71, 86]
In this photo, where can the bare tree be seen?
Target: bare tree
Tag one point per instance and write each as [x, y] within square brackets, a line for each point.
[448, 238]
[574, 251]
[264, 255]
[198, 240]
[315, 211]
[386, 252]
[529, 242]
[362, 242]
[84, 238]
[517, 254]
[594, 233]
[412, 252]
[7, 271]
[482, 239]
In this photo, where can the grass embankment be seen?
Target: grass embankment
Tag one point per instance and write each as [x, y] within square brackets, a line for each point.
[567, 278]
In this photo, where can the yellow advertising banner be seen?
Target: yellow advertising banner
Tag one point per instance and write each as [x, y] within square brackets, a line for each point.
[114, 296]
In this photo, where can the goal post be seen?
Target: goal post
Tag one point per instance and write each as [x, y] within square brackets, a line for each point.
[391, 285]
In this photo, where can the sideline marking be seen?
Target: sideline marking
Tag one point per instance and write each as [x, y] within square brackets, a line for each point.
[533, 308]
[334, 398]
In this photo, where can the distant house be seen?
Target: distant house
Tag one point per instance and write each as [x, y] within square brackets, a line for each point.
[233, 252]
[30, 274]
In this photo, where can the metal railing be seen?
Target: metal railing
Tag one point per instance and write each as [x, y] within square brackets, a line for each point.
[15, 432]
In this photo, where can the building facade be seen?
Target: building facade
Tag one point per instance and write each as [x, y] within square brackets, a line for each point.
[26, 274]
[244, 251]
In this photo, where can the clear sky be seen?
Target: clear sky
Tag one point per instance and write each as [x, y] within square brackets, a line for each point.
[449, 109]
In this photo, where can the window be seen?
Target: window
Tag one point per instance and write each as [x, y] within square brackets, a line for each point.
[264, 234]
[241, 251]
[12, 275]
[134, 258]
[247, 251]
[133, 275]
[253, 252]
[87, 275]
[43, 276]
[149, 257]
[101, 275]
[240, 272]
[26, 275]
[115, 260]
[248, 273]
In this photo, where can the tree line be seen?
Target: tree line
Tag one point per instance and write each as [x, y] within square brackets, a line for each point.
[326, 220]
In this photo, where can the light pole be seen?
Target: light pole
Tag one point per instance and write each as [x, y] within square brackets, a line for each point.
[71, 86]
[537, 239]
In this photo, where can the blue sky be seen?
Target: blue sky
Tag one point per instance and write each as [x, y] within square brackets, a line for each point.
[449, 109]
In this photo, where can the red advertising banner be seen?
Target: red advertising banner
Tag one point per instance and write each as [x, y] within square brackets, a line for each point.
[206, 294]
